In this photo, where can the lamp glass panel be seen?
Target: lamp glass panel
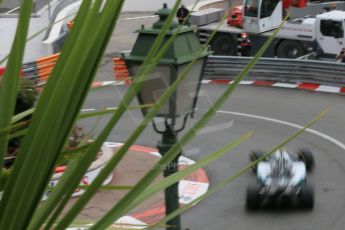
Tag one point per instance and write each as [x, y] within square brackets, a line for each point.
[154, 86]
[187, 90]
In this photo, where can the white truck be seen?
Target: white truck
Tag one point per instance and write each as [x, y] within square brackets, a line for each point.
[323, 32]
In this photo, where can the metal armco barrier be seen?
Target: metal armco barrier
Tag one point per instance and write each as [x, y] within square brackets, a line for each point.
[277, 69]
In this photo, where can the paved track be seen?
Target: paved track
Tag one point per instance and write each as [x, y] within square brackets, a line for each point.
[225, 210]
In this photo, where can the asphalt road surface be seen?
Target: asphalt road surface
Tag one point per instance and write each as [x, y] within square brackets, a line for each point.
[273, 115]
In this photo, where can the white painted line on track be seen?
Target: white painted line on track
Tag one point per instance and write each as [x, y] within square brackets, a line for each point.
[328, 89]
[246, 82]
[285, 85]
[206, 81]
[87, 110]
[313, 131]
[136, 18]
[157, 154]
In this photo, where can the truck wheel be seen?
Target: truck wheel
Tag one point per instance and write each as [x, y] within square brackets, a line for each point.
[307, 157]
[290, 49]
[224, 44]
[307, 197]
[253, 200]
[254, 155]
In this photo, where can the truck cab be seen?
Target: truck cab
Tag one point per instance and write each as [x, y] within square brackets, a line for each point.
[262, 15]
[265, 15]
[330, 31]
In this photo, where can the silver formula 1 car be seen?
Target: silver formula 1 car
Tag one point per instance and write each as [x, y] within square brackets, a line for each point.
[282, 179]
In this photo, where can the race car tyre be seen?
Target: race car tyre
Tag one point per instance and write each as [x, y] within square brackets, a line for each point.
[307, 197]
[224, 44]
[290, 49]
[307, 157]
[253, 197]
[254, 155]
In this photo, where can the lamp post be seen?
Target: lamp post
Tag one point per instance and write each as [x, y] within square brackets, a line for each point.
[183, 50]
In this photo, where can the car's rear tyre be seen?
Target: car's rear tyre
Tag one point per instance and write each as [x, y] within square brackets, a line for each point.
[254, 155]
[224, 44]
[290, 49]
[253, 200]
[307, 157]
[307, 197]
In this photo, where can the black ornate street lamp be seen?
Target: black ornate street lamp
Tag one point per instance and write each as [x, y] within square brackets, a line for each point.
[184, 49]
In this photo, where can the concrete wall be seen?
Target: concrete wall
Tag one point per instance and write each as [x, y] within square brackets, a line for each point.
[10, 4]
[152, 6]
[129, 5]
[220, 5]
[40, 3]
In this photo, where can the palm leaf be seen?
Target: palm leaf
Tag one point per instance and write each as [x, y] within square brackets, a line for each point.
[29, 112]
[10, 82]
[110, 111]
[22, 115]
[143, 73]
[67, 87]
